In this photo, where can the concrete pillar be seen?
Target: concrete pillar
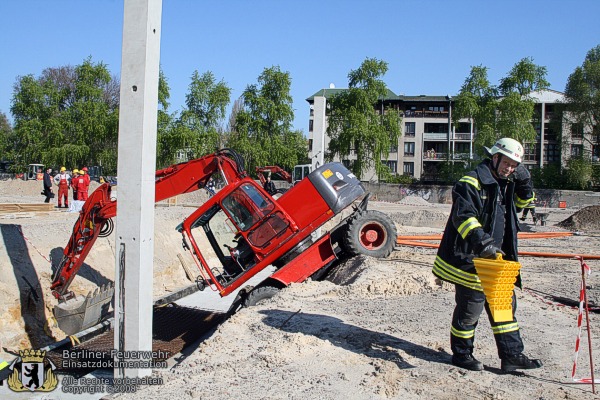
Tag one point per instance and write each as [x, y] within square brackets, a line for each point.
[136, 171]
[319, 129]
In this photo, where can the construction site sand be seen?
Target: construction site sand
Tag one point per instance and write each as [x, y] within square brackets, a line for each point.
[377, 329]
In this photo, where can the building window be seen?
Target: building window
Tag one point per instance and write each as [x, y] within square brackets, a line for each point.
[436, 108]
[432, 127]
[549, 133]
[409, 149]
[310, 142]
[392, 165]
[551, 153]
[576, 150]
[409, 129]
[577, 131]
[409, 168]
[394, 148]
[462, 127]
[530, 152]
[310, 125]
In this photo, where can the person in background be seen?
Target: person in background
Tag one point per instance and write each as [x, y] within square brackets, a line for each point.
[84, 188]
[529, 208]
[102, 180]
[210, 187]
[483, 223]
[63, 181]
[269, 186]
[74, 183]
[48, 185]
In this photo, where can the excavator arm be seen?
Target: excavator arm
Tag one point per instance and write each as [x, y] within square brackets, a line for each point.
[95, 221]
[273, 170]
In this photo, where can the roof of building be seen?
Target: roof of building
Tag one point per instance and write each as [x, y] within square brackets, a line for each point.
[547, 95]
[328, 93]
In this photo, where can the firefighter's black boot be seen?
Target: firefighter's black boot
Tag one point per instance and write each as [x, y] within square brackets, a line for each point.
[520, 361]
[467, 361]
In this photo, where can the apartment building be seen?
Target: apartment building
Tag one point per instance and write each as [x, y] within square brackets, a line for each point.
[429, 138]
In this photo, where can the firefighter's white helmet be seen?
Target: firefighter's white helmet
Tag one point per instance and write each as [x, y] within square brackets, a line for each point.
[507, 147]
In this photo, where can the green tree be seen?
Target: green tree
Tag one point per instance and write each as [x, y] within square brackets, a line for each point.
[168, 142]
[68, 116]
[548, 177]
[582, 96]
[499, 111]
[263, 125]
[578, 173]
[5, 137]
[199, 124]
[355, 124]
[477, 101]
[91, 129]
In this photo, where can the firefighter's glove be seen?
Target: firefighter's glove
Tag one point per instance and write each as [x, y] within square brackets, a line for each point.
[488, 249]
[521, 176]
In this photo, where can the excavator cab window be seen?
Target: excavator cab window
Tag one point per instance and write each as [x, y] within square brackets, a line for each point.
[247, 206]
[224, 249]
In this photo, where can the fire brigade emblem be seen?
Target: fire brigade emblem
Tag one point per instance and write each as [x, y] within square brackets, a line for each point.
[32, 371]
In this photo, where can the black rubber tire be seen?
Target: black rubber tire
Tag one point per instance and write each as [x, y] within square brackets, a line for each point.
[371, 233]
[259, 294]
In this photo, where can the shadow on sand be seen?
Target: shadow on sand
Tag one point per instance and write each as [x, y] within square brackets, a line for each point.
[352, 338]
[30, 290]
[85, 271]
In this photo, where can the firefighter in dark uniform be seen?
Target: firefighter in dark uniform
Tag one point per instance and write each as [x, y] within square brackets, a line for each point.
[483, 222]
[530, 208]
[269, 186]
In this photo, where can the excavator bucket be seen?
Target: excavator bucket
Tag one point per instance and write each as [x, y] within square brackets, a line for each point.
[79, 313]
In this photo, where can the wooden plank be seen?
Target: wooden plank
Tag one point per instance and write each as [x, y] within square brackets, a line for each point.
[25, 207]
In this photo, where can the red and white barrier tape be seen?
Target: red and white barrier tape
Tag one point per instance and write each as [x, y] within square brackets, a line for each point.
[585, 269]
[554, 303]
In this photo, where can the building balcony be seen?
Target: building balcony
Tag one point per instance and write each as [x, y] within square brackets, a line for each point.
[435, 136]
[433, 156]
[461, 156]
[430, 155]
[462, 136]
[431, 178]
[425, 114]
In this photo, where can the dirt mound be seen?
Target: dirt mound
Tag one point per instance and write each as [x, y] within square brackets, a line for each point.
[586, 219]
[363, 276]
[430, 218]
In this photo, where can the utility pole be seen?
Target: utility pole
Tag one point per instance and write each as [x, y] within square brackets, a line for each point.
[136, 170]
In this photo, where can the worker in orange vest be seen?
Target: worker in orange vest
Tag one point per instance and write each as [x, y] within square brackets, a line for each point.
[63, 180]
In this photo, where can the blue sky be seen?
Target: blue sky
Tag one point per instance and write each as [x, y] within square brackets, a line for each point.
[429, 46]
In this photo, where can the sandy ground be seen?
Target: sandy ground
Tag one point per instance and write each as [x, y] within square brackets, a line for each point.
[376, 329]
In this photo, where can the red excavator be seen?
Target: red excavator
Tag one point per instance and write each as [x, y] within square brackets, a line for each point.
[272, 170]
[237, 233]
[269, 171]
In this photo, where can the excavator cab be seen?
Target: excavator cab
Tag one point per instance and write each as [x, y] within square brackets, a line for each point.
[236, 231]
